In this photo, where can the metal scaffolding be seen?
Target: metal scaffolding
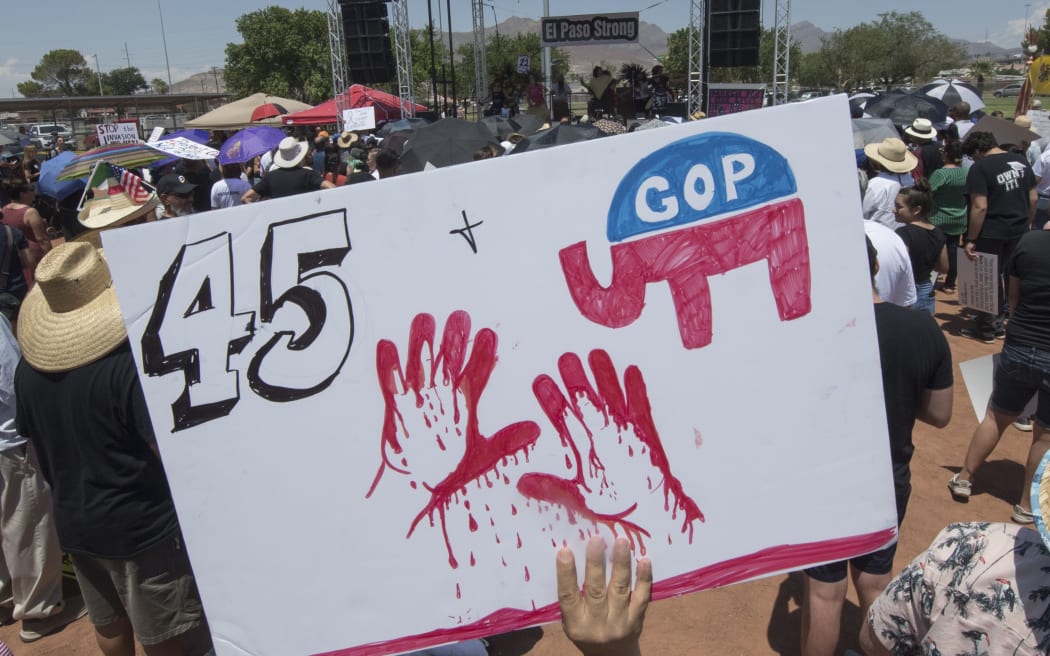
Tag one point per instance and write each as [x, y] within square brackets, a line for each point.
[697, 27]
[782, 52]
[481, 72]
[337, 54]
[403, 57]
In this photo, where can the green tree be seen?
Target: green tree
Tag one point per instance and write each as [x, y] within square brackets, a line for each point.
[60, 73]
[159, 86]
[502, 61]
[897, 48]
[284, 53]
[982, 69]
[123, 81]
[676, 64]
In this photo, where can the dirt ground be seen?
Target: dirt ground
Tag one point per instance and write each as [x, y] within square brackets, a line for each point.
[762, 617]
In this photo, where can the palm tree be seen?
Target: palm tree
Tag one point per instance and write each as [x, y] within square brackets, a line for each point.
[981, 69]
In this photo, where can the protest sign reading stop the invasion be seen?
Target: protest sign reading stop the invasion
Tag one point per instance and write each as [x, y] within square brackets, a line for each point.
[397, 400]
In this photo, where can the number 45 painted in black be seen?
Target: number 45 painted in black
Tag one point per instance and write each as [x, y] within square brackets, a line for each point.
[305, 317]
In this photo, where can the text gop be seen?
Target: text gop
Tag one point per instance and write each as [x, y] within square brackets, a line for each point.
[656, 202]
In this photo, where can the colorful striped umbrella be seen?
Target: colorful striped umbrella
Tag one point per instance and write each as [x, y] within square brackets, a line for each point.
[123, 155]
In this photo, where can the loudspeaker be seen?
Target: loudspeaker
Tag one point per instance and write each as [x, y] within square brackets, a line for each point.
[367, 33]
[735, 28]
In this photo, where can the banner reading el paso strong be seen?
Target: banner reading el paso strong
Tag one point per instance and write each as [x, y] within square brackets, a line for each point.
[589, 29]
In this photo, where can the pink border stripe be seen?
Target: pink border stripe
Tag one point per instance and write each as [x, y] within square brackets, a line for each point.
[774, 559]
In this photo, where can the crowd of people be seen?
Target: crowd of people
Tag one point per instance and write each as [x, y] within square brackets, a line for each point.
[80, 472]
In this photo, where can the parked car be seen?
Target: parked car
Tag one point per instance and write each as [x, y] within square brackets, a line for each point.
[42, 134]
[1008, 90]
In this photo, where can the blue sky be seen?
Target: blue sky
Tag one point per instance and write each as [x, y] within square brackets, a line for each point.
[198, 30]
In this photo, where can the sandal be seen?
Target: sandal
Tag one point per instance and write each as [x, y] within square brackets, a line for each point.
[959, 489]
[1022, 516]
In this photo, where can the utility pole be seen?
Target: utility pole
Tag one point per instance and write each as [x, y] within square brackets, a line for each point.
[215, 74]
[99, 71]
[127, 55]
[547, 62]
[164, 40]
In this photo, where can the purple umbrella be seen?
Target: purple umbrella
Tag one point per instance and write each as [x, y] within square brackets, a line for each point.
[249, 143]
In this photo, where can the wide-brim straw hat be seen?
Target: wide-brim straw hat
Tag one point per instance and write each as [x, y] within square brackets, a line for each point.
[347, 139]
[114, 210]
[290, 153]
[1040, 494]
[71, 316]
[892, 154]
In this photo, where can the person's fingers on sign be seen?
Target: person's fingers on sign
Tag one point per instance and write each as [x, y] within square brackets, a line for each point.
[604, 619]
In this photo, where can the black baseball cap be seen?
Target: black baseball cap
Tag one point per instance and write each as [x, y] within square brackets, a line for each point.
[175, 184]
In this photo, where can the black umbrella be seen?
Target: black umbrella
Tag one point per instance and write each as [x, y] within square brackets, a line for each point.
[395, 142]
[390, 127]
[502, 127]
[447, 142]
[903, 108]
[559, 135]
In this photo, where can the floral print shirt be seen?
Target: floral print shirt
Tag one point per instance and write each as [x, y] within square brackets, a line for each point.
[980, 589]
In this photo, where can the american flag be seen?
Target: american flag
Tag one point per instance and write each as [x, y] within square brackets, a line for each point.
[132, 184]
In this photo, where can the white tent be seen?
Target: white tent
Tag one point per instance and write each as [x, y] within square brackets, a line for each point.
[238, 114]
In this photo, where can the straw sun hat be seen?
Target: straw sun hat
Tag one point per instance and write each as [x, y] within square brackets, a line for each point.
[71, 316]
[892, 154]
[112, 210]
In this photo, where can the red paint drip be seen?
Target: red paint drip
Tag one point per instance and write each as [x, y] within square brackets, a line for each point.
[519, 540]
[459, 594]
[513, 509]
[551, 489]
[527, 577]
[472, 561]
[472, 524]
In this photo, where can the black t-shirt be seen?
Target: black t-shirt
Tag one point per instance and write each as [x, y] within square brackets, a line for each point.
[288, 182]
[1029, 324]
[924, 247]
[915, 357]
[1006, 179]
[93, 436]
[16, 279]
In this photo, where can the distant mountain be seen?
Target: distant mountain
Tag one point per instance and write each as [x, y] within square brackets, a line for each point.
[210, 82]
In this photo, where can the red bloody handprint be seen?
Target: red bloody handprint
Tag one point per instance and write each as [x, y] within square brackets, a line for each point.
[430, 422]
[431, 435]
[610, 432]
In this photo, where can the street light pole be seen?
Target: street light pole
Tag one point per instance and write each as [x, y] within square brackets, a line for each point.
[99, 72]
[547, 61]
[164, 40]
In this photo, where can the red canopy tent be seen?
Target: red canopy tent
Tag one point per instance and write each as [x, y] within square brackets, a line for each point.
[387, 107]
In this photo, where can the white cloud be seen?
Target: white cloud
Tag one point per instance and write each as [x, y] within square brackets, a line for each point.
[1013, 33]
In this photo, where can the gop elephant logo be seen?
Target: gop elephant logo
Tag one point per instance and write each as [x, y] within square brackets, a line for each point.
[701, 206]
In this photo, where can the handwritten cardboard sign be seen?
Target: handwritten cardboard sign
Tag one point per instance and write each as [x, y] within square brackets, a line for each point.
[978, 282]
[360, 118]
[725, 99]
[397, 400]
[117, 133]
[185, 148]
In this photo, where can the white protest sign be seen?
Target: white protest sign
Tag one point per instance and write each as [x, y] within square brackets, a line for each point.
[396, 401]
[978, 282]
[524, 64]
[156, 134]
[359, 118]
[184, 148]
[1040, 121]
[117, 133]
[978, 375]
